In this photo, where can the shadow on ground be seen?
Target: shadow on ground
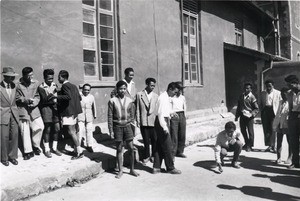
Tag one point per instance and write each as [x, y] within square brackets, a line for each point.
[288, 180]
[260, 192]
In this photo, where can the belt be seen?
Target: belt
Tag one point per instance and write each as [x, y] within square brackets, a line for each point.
[180, 112]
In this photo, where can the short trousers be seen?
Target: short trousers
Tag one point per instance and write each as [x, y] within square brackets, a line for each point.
[71, 120]
[123, 133]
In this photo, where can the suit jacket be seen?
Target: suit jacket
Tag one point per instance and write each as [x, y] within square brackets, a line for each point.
[88, 106]
[248, 103]
[276, 99]
[8, 104]
[69, 100]
[145, 115]
[27, 112]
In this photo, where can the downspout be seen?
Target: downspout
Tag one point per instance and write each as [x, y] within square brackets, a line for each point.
[276, 30]
[182, 51]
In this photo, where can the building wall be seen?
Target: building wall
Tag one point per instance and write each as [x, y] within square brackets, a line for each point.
[295, 30]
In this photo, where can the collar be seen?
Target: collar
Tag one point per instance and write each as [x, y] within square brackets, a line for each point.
[5, 84]
[131, 82]
[66, 81]
[26, 84]
[44, 85]
[248, 95]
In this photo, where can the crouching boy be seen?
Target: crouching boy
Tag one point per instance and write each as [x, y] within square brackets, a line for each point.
[228, 140]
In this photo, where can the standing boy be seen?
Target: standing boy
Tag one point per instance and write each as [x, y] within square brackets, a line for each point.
[178, 122]
[85, 119]
[48, 108]
[69, 108]
[120, 121]
[247, 109]
[28, 99]
[9, 118]
[280, 125]
[145, 117]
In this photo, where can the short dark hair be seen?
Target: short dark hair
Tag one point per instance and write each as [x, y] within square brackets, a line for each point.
[269, 81]
[248, 84]
[86, 84]
[284, 90]
[292, 79]
[64, 74]
[150, 79]
[26, 70]
[48, 72]
[230, 125]
[128, 70]
[120, 83]
[172, 86]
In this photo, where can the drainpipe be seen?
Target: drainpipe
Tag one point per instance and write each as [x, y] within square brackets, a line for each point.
[276, 29]
[262, 75]
[182, 51]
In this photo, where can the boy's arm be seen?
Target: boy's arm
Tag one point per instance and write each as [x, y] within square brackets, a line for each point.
[237, 112]
[66, 93]
[138, 113]
[36, 97]
[217, 149]
[110, 117]
[20, 98]
[255, 107]
[94, 108]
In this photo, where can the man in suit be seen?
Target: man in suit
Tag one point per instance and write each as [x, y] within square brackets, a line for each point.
[247, 109]
[28, 98]
[9, 118]
[145, 117]
[69, 107]
[270, 99]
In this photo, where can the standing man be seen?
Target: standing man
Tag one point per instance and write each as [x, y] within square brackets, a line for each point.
[9, 118]
[270, 99]
[294, 117]
[86, 118]
[247, 109]
[164, 147]
[178, 122]
[145, 117]
[69, 108]
[27, 100]
[48, 107]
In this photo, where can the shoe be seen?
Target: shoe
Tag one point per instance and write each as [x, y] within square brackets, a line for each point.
[235, 165]
[155, 170]
[151, 159]
[268, 149]
[174, 171]
[220, 167]
[146, 160]
[77, 157]
[31, 154]
[5, 163]
[27, 156]
[279, 161]
[56, 152]
[222, 161]
[36, 151]
[293, 166]
[181, 155]
[48, 154]
[288, 162]
[90, 149]
[248, 149]
[13, 161]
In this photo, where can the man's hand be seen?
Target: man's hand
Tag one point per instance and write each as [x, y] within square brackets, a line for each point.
[174, 114]
[220, 167]
[166, 132]
[112, 136]
[232, 141]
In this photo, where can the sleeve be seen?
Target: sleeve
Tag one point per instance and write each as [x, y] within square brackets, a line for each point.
[65, 93]
[110, 116]
[132, 113]
[184, 105]
[217, 149]
[44, 98]
[238, 109]
[94, 107]
[20, 98]
[36, 97]
[240, 137]
[255, 108]
[162, 114]
[138, 112]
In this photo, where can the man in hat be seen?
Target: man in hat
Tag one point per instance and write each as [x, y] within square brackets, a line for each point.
[294, 117]
[178, 122]
[28, 99]
[9, 118]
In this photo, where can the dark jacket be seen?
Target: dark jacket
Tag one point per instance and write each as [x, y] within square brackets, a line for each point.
[8, 105]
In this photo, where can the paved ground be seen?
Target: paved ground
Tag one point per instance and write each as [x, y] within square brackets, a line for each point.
[258, 179]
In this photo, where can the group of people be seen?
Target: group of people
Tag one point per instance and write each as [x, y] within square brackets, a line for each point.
[161, 119]
[38, 112]
[280, 115]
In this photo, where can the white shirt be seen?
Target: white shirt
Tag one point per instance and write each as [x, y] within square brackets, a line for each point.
[8, 90]
[149, 96]
[296, 102]
[270, 96]
[163, 109]
[129, 86]
[178, 103]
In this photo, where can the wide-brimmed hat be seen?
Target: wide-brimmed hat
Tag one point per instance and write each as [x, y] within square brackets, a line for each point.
[9, 71]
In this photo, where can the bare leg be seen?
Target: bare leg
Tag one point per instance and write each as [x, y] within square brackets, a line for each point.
[130, 146]
[119, 159]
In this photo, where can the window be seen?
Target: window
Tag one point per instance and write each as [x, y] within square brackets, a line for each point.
[191, 61]
[99, 45]
[238, 30]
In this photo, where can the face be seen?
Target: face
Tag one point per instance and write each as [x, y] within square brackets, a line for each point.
[86, 90]
[129, 76]
[179, 92]
[49, 79]
[28, 78]
[229, 131]
[292, 85]
[269, 87]
[248, 89]
[173, 92]
[9, 79]
[61, 79]
[121, 90]
[150, 87]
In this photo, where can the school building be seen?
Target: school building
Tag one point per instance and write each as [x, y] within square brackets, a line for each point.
[213, 47]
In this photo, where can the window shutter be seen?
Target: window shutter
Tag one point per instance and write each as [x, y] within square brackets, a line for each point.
[191, 6]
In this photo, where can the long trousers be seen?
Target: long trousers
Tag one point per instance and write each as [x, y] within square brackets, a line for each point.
[247, 130]
[294, 132]
[236, 148]
[267, 118]
[149, 137]
[9, 140]
[178, 132]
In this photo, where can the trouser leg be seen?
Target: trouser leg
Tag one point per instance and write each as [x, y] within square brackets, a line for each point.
[174, 125]
[25, 134]
[4, 142]
[181, 133]
[250, 126]
[244, 130]
[37, 127]
[89, 134]
[146, 140]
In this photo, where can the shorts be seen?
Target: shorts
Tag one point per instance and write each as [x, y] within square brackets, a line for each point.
[71, 120]
[123, 133]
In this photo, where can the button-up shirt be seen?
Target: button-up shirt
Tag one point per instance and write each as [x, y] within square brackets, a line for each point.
[178, 103]
[270, 96]
[163, 109]
[8, 88]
